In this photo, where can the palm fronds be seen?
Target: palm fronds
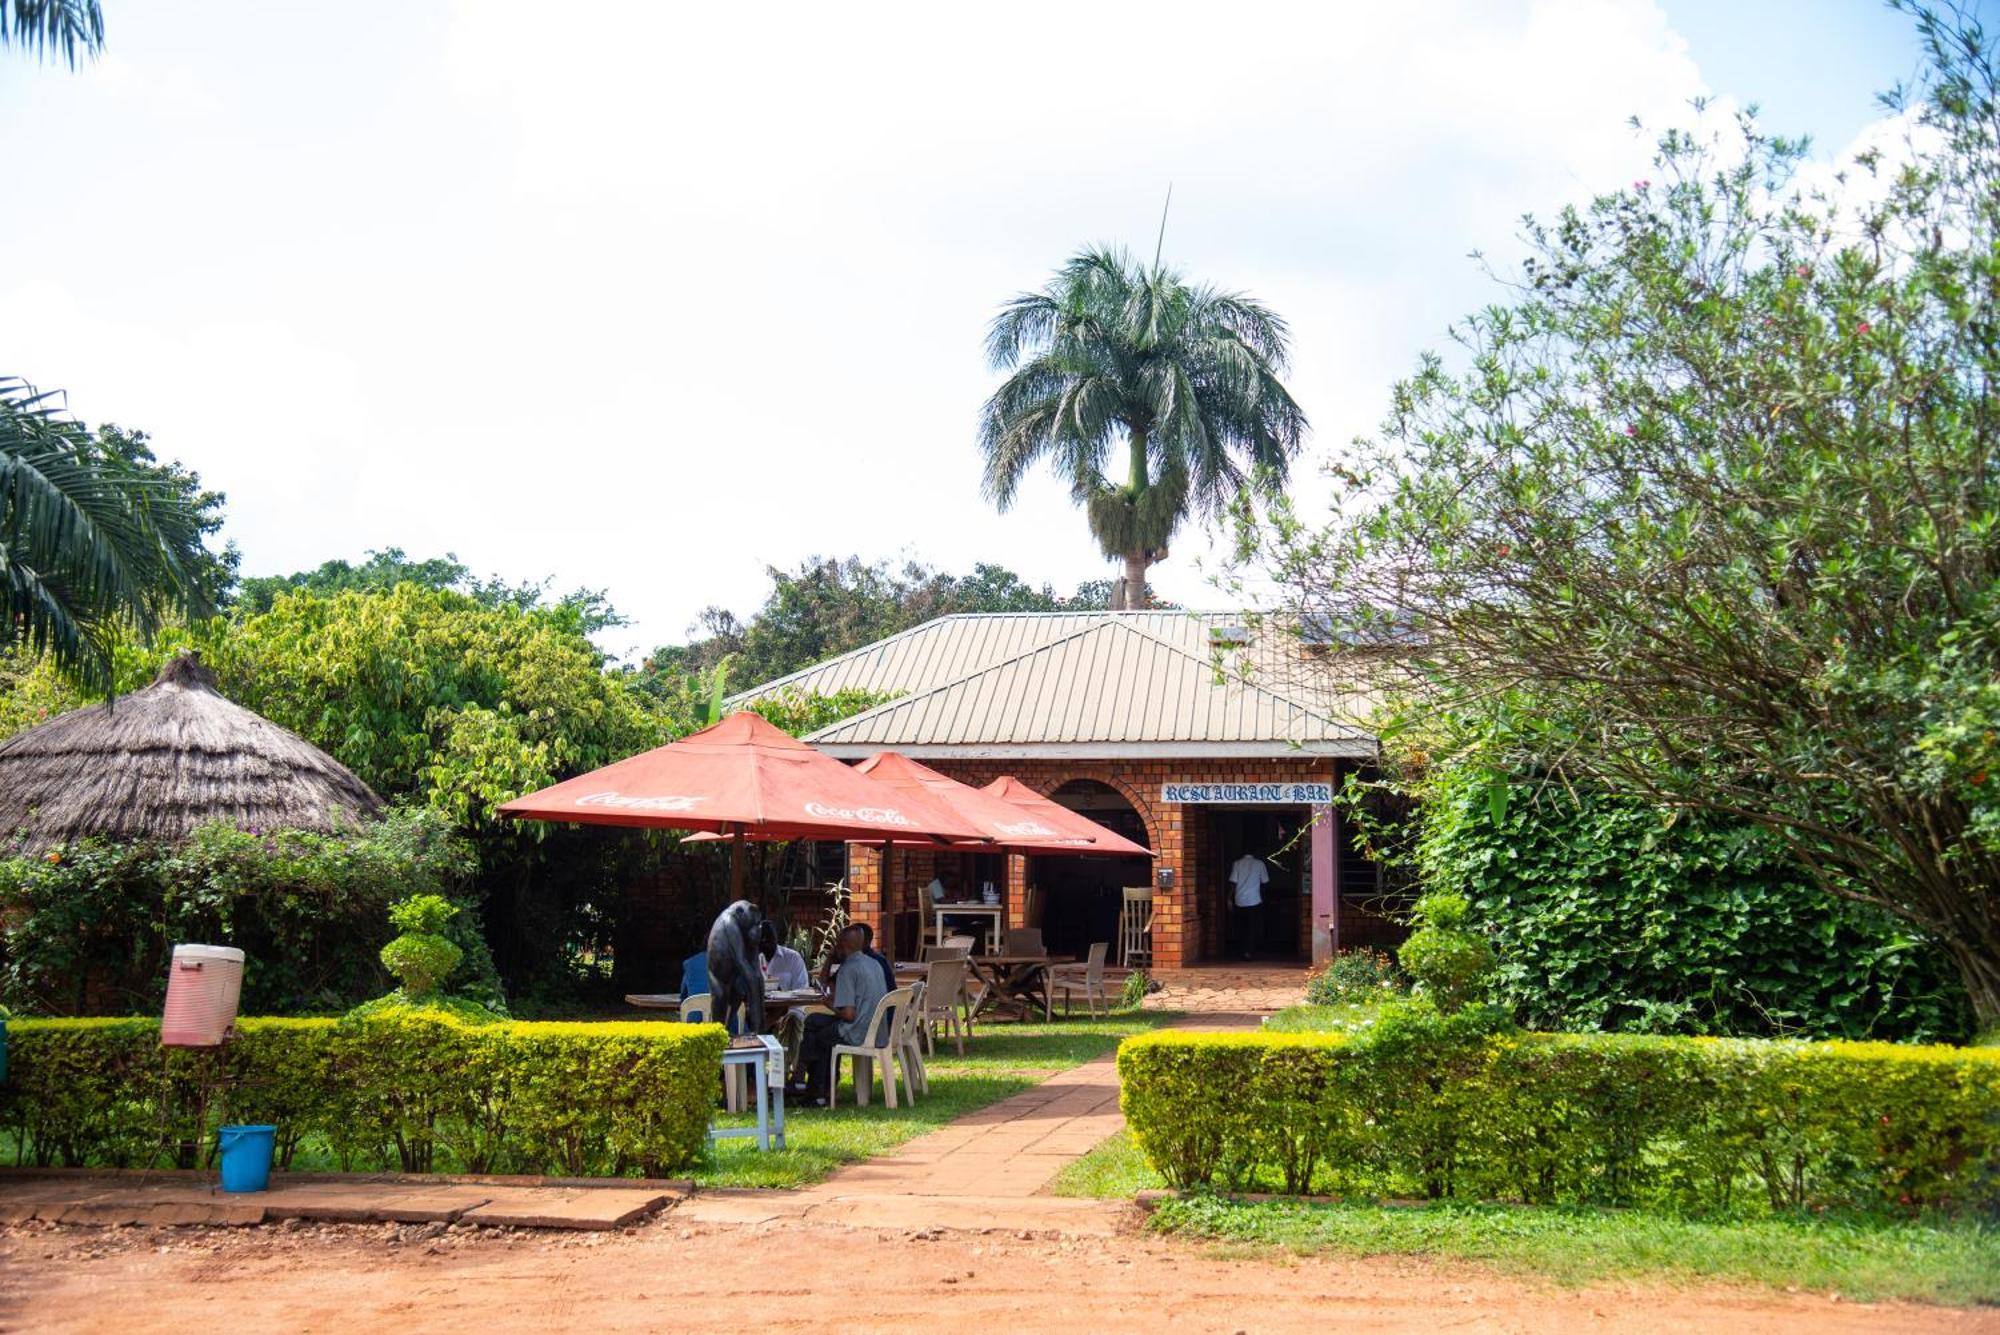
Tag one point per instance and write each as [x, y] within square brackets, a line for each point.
[88, 542]
[46, 27]
[1187, 377]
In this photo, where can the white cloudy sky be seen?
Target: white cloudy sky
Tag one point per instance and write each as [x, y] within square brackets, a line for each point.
[656, 297]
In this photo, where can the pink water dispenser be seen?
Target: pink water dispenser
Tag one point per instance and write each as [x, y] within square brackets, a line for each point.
[203, 985]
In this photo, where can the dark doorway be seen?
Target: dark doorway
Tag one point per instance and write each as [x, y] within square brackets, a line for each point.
[1080, 897]
[1272, 834]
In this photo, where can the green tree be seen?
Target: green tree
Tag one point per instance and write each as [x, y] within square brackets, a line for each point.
[589, 610]
[1185, 376]
[46, 27]
[95, 536]
[1711, 509]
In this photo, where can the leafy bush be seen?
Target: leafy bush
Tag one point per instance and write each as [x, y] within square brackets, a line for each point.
[410, 1090]
[420, 958]
[1355, 977]
[1448, 962]
[89, 928]
[1611, 913]
[1455, 1107]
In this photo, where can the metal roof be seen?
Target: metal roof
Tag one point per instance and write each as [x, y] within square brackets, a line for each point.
[1088, 683]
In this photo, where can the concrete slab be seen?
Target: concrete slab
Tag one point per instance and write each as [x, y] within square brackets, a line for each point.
[586, 1208]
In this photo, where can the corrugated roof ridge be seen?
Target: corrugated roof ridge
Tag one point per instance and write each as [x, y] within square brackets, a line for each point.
[778, 683]
[917, 697]
[912, 700]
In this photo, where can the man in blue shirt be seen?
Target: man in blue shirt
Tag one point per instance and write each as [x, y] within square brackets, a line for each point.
[857, 989]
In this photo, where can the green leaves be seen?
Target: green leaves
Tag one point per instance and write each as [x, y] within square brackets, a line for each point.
[1185, 378]
[94, 539]
[1717, 494]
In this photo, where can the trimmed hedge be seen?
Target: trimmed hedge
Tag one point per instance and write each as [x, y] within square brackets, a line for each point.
[1441, 1109]
[416, 1091]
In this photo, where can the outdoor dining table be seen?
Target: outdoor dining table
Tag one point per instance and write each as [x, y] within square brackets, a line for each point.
[775, 1003]
[995, 914]
[1009, 981]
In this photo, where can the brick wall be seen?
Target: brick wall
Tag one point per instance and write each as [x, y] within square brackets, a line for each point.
[1187, 923]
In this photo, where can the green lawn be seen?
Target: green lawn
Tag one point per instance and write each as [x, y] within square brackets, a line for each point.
[999, 1060]
[1955, 1262]
[1305, 1019]
[1940, 1261]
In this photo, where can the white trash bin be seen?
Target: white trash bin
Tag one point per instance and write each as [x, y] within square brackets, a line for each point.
[203, 985]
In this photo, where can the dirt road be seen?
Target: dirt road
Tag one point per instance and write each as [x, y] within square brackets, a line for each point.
[679, 1276]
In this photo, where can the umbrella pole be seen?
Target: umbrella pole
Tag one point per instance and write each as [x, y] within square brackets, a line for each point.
[888, 900]
[736, 865]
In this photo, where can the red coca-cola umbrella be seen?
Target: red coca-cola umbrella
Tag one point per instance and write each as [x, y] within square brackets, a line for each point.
[1103, 842]
[1005, 825]
[743, 777]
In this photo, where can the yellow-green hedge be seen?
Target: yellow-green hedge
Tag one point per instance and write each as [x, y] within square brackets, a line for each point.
[1570, 1118]
[419, 1092]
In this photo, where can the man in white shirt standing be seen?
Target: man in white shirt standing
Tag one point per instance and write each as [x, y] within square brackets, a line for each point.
[1248, 875]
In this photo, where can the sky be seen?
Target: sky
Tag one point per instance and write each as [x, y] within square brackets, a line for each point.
[652, 301]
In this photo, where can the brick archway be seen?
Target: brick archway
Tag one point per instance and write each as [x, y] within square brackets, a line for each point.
[1141, 808]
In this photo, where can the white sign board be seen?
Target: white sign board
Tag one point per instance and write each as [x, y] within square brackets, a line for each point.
[1241, 794]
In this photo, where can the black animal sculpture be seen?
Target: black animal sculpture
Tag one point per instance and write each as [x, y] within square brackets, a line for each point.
[733, 976]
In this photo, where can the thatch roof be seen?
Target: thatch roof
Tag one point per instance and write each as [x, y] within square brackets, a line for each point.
[162, 761]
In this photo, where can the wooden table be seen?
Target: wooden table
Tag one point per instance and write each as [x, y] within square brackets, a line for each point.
[775, 1003]
[1011, 981]
[974, 909]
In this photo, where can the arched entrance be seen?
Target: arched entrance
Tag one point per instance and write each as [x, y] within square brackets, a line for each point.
[1078, 898]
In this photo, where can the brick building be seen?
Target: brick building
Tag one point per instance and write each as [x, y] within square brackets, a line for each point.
[1194, 734]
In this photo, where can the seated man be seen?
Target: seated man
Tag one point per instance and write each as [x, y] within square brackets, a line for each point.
[784, 968]
[868, 949]
[856, 993]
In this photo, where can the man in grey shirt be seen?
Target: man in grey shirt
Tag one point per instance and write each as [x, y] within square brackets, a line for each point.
[857, 989]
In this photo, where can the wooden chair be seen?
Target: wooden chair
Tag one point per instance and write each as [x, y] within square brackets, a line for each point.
[1089, 976]
[878, 1046]
[1025, 941]
[1135, 926]
[944, 997]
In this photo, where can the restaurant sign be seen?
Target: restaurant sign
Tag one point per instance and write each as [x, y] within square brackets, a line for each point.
[1224, 794]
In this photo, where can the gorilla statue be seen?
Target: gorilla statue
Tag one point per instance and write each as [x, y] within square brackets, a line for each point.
[734, 979]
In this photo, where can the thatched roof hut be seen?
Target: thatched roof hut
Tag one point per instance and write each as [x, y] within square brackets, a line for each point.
[162, 761]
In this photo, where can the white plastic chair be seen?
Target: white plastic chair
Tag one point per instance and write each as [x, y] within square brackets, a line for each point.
[879, 1044]
[910, 1028]
[694, 1009]
[1089, 976]
[944, 999]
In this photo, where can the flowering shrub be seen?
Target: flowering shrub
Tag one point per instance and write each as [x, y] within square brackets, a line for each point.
[1355, 976]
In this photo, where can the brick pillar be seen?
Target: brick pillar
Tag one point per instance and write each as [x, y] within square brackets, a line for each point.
[864, 885]
[1017, 891]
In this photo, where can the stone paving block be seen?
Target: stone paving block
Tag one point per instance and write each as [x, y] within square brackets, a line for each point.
[585, 1207]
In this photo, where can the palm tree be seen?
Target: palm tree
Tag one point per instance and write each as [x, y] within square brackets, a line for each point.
[1187, 376]
[90, 542]
[45, 26]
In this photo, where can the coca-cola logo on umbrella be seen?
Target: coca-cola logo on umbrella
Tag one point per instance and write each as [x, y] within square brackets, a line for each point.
[628, 801]
[1026, 829]
[873, 815]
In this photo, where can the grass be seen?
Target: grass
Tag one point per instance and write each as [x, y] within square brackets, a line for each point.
[1305, 1019]
[1924, 1260]
[1934, 1261]
[999, 1060]
[1116, 1169]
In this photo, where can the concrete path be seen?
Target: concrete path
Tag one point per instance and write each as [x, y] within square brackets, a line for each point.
[985, 1170]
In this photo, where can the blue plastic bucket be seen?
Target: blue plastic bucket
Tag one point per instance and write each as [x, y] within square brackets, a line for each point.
[246, 1157]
